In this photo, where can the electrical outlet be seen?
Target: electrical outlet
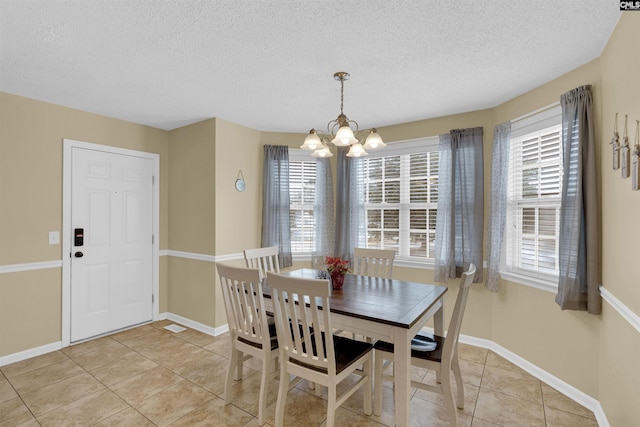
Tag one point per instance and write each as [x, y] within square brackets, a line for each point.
[54, 237]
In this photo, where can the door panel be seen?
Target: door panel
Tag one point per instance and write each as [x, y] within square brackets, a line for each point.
[112, 282]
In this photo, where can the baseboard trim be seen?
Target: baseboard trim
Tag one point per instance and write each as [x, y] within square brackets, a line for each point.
[28, 354]
[551, 380]
[206, 329]
[48, 348]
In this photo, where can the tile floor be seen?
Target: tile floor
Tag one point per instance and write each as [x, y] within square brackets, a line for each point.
[149, 376]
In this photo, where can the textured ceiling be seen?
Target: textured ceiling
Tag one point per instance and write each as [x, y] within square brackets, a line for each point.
[269, 65]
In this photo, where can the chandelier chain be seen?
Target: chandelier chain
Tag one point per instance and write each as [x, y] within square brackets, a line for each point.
[341, 95]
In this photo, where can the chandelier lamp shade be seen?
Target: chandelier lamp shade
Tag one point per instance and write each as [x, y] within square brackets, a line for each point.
[340, 133]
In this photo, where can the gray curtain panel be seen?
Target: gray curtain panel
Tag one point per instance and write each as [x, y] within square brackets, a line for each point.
[579, 274]
[350, 214]
[276, 229]
[460, 217]
[498, 205]
[323, 214]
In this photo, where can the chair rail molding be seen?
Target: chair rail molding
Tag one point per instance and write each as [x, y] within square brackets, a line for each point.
[624, 311]
[42, 265]
[201, 257]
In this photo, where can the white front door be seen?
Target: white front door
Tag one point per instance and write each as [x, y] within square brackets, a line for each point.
[111, 241]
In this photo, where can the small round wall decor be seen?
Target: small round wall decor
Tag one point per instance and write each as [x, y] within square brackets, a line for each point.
[240, 184]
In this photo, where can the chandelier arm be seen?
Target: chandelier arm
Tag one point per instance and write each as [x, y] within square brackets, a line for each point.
[331, 128]
[333, 125]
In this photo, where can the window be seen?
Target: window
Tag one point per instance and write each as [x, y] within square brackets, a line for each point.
[401, 197]
[302, 183]
[533, 197]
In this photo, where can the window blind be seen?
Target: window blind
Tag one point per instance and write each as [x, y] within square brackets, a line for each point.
[533, 203]
[302, 182]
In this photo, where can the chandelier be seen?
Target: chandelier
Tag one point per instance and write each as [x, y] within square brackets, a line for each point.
[340, 134]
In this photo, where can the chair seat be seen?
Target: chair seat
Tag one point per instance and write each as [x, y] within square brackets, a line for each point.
[435, 355]
[347, 351]
[272, 335]
[271, 323]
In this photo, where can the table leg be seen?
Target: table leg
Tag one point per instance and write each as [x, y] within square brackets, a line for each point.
[402, 377]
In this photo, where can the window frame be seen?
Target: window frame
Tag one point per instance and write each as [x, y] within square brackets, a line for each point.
[299, 155]
[536, 122]
[404, 205]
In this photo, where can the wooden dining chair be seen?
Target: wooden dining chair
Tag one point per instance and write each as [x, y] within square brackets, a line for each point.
[311, 351]
[251, 334]
[373, 262]
[264, 259]
[442, 359]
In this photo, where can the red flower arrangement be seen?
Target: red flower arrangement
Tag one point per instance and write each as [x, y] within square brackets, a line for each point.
[337, 265]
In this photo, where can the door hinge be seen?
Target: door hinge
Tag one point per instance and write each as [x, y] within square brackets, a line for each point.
[152, 298]
[153, 239]
[153, 180]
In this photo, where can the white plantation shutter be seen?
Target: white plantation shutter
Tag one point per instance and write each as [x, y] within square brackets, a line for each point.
[533, 202]
[302, 182]
[423, 200]
[401, 196]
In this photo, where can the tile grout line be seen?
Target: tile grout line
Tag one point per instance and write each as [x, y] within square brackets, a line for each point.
[19, 396]
[196, 340]
[475, 407]
[113, 391]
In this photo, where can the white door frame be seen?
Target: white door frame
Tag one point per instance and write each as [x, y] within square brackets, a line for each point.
[68, 144]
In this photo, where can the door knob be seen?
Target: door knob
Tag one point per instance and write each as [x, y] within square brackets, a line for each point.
[78, 254]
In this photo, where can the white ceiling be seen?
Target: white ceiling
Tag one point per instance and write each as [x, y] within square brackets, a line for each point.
[269, 64]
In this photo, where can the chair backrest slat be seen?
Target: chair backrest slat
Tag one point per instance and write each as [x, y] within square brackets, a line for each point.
[373, 262]
[244, 304]
[455, 324]
[263, 259]
[298, 300]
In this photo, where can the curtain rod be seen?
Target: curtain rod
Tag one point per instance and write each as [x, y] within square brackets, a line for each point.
[539, 110]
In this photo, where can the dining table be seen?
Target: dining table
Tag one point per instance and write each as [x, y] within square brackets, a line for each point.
[386, 309]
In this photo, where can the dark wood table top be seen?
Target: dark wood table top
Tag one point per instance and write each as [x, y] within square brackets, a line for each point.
[388, 301]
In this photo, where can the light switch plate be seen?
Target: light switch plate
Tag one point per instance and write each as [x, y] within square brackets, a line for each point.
[54, 237]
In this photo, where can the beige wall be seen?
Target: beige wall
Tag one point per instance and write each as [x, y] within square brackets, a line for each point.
[30, 309]
[31, 141]
[192, 213]
[518, 308]
[238, 149]
[620, 63]
[192, 187]
[619, 349]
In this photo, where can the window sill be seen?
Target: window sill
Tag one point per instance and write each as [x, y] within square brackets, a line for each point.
[424, 265]
[301, 256]
[544, 285]
[520, 279]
